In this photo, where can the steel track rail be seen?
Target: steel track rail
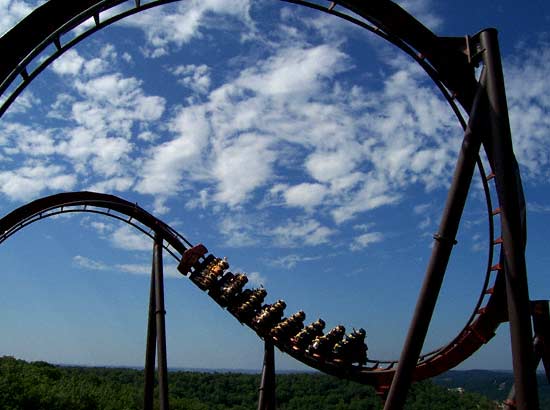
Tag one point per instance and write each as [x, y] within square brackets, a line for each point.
[445, 60]
[378, 373]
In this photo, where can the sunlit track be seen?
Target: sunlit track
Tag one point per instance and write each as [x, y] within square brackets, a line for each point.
[332, 352]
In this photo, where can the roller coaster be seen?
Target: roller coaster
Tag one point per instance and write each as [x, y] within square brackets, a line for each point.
[450, 62]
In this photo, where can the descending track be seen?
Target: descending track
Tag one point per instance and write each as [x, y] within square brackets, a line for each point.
[339, 356]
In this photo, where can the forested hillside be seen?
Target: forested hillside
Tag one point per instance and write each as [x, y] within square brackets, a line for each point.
[42, 386]
[494, 385]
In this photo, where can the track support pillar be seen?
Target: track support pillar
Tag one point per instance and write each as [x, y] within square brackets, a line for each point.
[266, 400]
[513, 225]
[156, 334]
[441, 252]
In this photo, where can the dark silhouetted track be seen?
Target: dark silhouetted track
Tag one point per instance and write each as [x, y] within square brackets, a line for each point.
[331, 351]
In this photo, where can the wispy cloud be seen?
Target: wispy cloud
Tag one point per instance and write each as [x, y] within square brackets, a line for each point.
[87, 263]
[365, 239]
[306, 232]
[290, 261]
[538, 208]
[528, 93]
[96, 120]
[166, 29]
[195, 77]
[128, 238]
[423, 10]
[27, 182]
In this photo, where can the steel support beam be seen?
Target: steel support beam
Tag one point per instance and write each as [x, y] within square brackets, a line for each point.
[160, 313]
[266, 400]
[149, 388]
[541, 327]
[156, 334]
[441, 252]
[512, 204]
[541, 345]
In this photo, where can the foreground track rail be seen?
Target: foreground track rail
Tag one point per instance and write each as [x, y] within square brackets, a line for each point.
[378, 373]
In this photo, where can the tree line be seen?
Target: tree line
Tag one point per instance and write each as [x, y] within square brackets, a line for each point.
[43, 386]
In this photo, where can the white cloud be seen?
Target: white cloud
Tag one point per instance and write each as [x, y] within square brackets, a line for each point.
[375, 192]
[103, 118]
[27, 140]
[241, 167]
[130, 239]
[422, 10]
[266, 98]
[120, 184]
[195, 77]
[478, 243]
[90, 264]
[290, 261]
[295, 233]
[421, 209]
[305, 195]
[70, 63]
[28, 182]
[163, 171]
[135, 268]
[101, 227]
[326, 166]
[23, 103]
[529, 107]
[287, 112]
[538, 208]
[238, 230]
[294, 71]
[362, 241]
[291, 112]
[132, 268]
[167, 27]
[107, 156]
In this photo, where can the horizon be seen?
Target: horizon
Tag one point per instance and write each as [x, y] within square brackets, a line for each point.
[237, 370]
[310, 153]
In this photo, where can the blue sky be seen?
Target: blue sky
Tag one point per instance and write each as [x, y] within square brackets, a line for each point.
[313, 155]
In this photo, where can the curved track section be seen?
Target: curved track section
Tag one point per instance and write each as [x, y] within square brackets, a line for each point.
[58, 25]
[331, 352]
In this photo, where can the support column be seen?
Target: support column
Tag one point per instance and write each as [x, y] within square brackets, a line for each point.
[541, 328]
[512, 204]
[160, 313]
[266, 400]
[541, 344]
[148, 395]
[441, 252]
[156, 334]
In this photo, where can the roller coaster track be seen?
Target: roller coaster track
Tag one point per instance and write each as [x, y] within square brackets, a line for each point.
[478, 331]
[57, 25]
